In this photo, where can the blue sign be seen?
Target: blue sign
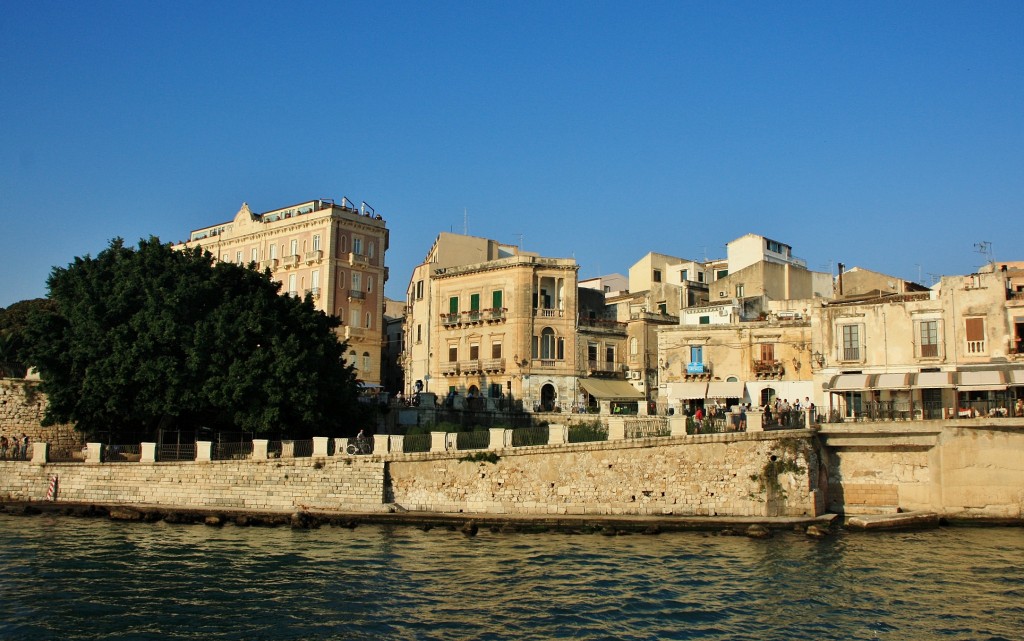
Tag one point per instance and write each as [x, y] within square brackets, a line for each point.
[695, 368]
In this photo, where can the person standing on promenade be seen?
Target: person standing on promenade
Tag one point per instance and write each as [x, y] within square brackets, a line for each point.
[3, 448]
[23, 455]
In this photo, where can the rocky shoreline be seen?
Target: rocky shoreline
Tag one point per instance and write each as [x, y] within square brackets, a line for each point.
[471, 524]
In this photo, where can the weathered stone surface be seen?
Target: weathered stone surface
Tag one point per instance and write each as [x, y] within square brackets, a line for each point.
[758, 532]
[125, 514]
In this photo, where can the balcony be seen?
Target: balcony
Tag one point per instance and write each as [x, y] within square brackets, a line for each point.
[354, 332]
[469, 367]
[314, 292]
[269, 264]
[603, 367]
[545, 312]
[698, 372]
[850, 353]
[450, 368]
[314, 256]
[602, 325]
[768, 369]
[976, 347]
[291, 261]
[494, 365]
[357, 259]
[355, 294]
[449, 320]
[494, 314]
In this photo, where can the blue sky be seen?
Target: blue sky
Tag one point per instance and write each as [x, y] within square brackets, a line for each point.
[888, 135]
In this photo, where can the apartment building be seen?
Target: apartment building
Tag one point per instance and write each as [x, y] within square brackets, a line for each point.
[332, 252]
[953, 350]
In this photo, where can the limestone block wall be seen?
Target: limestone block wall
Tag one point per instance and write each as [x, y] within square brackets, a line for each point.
[960, 469]
[275, 485]
[712, 475]
[21, 411]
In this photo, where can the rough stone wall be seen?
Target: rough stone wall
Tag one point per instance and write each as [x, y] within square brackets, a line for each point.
[21, 410]
[689, 476]
[276, 485]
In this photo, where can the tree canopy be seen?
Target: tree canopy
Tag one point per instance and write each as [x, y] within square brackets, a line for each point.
[14, 323]
[149, 338]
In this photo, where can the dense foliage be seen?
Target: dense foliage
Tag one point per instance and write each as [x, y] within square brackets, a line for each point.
[14, 322]
[148, 339]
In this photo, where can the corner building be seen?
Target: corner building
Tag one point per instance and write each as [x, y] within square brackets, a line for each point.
[333, 252]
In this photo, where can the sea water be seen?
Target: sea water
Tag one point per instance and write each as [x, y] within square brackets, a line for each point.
[66, 578]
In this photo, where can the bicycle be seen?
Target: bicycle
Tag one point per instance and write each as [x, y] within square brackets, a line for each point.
[360, 446]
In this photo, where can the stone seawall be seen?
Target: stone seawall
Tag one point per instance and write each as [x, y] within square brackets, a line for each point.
[338, 485]
[712, 475]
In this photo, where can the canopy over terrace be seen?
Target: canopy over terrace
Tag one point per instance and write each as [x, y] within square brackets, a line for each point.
[608, 392]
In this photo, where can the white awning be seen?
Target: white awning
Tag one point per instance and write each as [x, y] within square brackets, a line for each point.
[849, 382]
[725, 389]
[934, 379]
[892, 381]
[988, 380]
[687, 391]
[1017, 377]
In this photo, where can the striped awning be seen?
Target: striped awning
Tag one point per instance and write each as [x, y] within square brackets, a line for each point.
[848, 382]
[892, 381]
[934, 380]
[986, 380]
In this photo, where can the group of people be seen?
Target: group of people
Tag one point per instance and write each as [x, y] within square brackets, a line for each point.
[14, 448]
[781, 412]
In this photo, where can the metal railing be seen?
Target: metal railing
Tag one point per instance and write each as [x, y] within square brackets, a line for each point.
[176, 452]
[231, 451]
[587, 433]
[647, 427]
[526, 436]
[416, 443]
[478, 440]
[122, 453]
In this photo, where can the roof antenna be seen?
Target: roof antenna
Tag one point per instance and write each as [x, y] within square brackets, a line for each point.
[985, 249]
[465, 222]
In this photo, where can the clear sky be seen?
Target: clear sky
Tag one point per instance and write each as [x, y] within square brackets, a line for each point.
[888, 135]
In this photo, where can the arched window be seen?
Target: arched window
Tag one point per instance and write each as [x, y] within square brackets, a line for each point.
[366, 361]
[547, 343]
[369, 320]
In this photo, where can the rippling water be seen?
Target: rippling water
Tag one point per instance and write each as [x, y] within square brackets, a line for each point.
[67, 578]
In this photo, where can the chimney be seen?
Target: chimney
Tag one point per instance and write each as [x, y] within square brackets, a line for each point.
[842, 268]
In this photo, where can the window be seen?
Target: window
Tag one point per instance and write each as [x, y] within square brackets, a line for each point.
[495, 390]
[663, 308]
[316, 242]
[366, 360]
[496, 299]
[238, 257]
[704, 320]
[273, 252]
[369, 320]
[344, 244]
[592, 352]
[453, 353]
[683, 274]
[453, 305]
[419, 333]
[609, 354]
[547, 343]
[767, 351]
[341, 314]
[341, 278]
[495, 350]
[357, 281]
[657, 275]
[561, 348]
[633, 347]
[292, 285]
[851, 342]
[975, 335]
[369, 283]
[739, 291]
[474, 302]
[474, 351]
[700, 277]
[315, 280]
[696, 353]
[369, 249]
[357, 245]
[294, 246]
[721, 273]
[255, 255]
[928, 331]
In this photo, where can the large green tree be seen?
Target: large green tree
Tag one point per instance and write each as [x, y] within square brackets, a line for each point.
[149, 338]
[14, 323]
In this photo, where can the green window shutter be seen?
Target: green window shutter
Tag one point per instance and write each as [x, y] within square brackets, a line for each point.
[453, 305]
[496, 300]
[474, 302]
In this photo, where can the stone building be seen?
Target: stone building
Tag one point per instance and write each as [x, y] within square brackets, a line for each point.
[332, 252]
[949, 351]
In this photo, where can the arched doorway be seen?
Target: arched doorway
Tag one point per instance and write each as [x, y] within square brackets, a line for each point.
[547, 397]
[767, 396]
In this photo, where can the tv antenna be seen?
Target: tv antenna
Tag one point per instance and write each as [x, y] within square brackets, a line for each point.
[985, 249]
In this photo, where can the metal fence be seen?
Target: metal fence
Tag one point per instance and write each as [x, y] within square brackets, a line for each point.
[647, 427]
[588, 433]
[416, 443]
[176, 452]
[231, 451]
[122, 453]
[477, 440]
[525, 436]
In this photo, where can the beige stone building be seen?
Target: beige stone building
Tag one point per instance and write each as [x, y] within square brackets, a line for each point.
[947, 352]
[333, 252]
[487, 320]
